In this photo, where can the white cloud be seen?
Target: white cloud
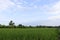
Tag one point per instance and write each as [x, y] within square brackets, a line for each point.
[19, 3]
[25, 2]
[54, 17]
[18, 6]
[55, 9]
[4, 4]
[35, 6]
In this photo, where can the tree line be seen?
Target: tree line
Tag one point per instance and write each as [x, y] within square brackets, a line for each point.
[12, 25]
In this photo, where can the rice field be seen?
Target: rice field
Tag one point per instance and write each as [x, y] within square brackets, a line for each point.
[28, 34]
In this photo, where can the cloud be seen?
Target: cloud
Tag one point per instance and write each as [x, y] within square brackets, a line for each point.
[52, 10]
[19, 6]
[26, 4]
[3, 18]
[35, 6]
[30, 8]
[4, 4]
[55, 8]
[54, 17]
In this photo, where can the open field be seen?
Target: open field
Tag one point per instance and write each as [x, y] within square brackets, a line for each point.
[28, 34]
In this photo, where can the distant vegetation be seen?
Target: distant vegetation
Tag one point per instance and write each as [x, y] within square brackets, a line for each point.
[12, 25]
[21, 32]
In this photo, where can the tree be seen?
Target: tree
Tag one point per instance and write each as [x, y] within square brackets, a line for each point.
[20, 25]
[11, 24]
[30, 26]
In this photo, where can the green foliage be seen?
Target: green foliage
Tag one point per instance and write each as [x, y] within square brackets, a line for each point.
[30, 26]
[20, 26]
[11, 23]
[58, 31]
[21, 32]
[28, 34]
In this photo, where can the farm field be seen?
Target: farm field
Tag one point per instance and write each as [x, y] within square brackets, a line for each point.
[28, 34]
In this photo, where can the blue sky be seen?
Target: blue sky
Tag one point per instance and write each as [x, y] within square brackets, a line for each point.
[30, 12]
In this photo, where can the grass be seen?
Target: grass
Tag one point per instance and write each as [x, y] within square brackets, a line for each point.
[28, 34]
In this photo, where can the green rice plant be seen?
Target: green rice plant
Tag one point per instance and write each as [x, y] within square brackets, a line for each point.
[28, 34]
